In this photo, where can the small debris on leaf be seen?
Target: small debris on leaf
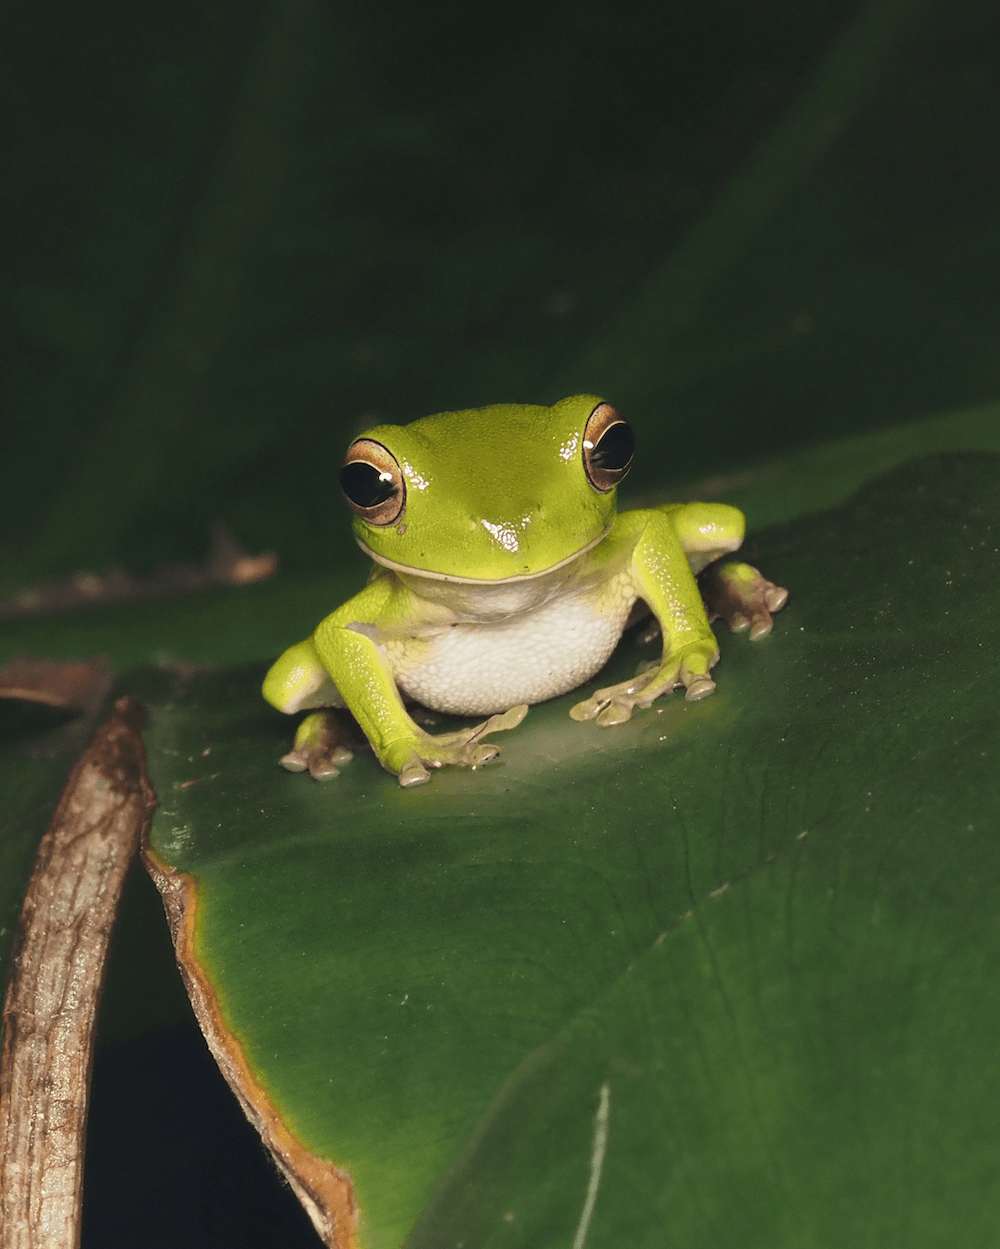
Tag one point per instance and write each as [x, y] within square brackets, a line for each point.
[73, 684]
[227, 564]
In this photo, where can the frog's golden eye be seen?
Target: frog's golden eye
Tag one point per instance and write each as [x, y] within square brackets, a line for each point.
[608, 447]
[372, 482]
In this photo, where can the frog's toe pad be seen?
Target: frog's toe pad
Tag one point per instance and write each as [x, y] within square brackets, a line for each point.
[701, 687]
[586, 710]
[413, 773]
[617, 711]
[775, 596]
[326, 767]
[483, 754]
[319, 768]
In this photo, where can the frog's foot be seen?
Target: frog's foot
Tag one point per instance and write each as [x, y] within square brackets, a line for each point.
[742, 597]
[411, 757]
[318, 748]
[688, 666]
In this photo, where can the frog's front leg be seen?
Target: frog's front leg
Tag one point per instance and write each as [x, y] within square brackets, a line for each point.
[298, 681]
[662, 576]
[688, 666]
[360, 671]
[411, 756]
[361, 680]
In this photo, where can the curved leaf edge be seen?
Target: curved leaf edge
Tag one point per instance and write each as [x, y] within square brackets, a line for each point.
[325, 1190]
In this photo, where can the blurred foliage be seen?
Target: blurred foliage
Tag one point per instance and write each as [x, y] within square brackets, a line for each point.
[237, 232]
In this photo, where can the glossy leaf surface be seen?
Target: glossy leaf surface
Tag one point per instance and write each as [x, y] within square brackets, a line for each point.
[390, 958]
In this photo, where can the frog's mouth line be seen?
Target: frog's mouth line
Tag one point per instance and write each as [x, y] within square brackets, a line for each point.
[446, 576]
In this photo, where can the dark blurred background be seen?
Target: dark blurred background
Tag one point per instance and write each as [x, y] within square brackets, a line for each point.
[236, 232]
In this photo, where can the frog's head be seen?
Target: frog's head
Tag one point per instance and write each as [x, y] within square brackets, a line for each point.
[490, 493]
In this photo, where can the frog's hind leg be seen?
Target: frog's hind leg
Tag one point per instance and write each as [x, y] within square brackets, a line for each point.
[736, 593]
[707, 531]
[733, 592]
[298, 681]
[743, 597]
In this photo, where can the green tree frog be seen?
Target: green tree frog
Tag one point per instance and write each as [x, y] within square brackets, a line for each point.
[502, 576]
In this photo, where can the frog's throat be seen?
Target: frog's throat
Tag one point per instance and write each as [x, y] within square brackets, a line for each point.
[447, 576]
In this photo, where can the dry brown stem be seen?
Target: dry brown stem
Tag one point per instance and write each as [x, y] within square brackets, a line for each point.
[57, 971]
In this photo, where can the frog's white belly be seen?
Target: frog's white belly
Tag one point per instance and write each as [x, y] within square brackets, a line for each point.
[477, 669]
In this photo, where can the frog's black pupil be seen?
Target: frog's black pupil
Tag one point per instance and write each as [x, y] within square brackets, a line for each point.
[615, 448]
[365, 485]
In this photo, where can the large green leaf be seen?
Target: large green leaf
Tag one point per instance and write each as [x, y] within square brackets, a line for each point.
[733, 913]
[808, 1058]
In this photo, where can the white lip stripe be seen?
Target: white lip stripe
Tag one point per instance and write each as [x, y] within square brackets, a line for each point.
[596, 1164]
[444, 576]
